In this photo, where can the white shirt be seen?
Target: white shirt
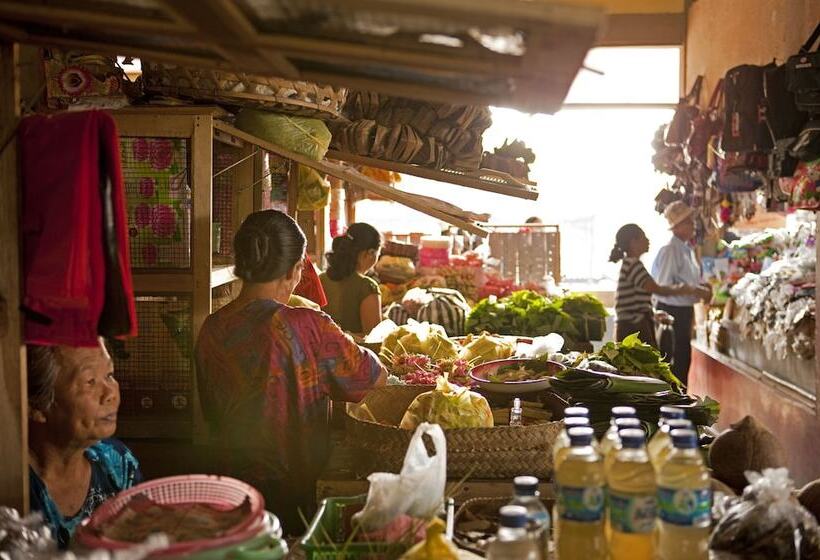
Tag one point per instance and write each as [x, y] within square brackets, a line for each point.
[676, 264]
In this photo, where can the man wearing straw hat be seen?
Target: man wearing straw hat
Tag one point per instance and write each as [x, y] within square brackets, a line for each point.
[677, 263]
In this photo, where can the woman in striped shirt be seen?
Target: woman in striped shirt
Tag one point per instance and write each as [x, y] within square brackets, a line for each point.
[633, 298]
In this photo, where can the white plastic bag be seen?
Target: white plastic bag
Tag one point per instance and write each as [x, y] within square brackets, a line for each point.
[541, 346]
[418, 491]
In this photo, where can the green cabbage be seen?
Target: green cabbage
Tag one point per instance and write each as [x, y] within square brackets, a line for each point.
[449, 406]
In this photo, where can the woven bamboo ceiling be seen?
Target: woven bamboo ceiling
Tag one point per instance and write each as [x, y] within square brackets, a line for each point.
[514, 53]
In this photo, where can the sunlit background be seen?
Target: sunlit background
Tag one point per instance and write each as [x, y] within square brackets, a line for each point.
[593, 164]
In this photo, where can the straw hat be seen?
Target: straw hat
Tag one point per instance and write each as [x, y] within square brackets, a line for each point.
[677, 212]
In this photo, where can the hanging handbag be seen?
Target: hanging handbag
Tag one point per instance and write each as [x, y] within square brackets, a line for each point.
[807, 145]
[706, 124]
[783, 117]
[681, 126]
[803, 75]
[741, 171]
[744, 126]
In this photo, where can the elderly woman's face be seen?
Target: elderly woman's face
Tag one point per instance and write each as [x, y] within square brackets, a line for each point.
[87, 396]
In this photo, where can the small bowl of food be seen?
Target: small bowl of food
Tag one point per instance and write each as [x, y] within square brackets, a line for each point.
[515, 375]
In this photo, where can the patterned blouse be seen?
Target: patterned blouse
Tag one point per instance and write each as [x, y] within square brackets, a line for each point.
[265, 373]
[113, 469]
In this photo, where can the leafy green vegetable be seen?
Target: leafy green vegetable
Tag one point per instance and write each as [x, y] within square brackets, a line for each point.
[633, 357]
[583, 304]
[522, 313]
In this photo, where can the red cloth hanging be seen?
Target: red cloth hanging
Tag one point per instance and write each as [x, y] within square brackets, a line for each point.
[77, 272]
[310, 286]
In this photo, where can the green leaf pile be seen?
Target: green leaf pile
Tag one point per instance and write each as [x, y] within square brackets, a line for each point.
[522, 313]
[633, 357]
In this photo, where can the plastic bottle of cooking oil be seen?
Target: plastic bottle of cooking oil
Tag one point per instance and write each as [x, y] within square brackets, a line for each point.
[580, 488]
[684, 501]
[632, 500]
[661, 437]
[610, 438]
[561, 446]
[513, 542]
[661, 445]
[614, 444]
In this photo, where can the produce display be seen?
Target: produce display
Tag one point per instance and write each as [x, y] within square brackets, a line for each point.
[449, 406]
[745, 446]
[143, 517]
[418, 369]
[522, 313]
[633, 357]
[419, 338]
[524, 371]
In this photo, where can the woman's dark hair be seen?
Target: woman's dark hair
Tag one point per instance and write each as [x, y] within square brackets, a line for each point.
[346, 248]
[267, 246]
[43, 365]
[623, 238]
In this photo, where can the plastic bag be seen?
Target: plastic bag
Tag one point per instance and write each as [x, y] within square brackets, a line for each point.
[767, 522]
[541, 346]
[309, 137]
[418, 491]
[314, 190]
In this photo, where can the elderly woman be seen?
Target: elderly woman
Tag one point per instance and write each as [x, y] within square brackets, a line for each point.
[74, 466]
[266, 371]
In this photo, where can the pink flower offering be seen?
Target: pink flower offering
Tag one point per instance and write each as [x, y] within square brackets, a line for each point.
[162, 153]
[163, 220]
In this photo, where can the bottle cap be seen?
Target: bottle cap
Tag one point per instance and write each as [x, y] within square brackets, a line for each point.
[623, 412]
[576, 422]
[684, 439]
[580, 437]
[576, 411]
[672, 412]
[632, 438]
[514, 517]
[680, 424]
[624, 423]
[525, 485]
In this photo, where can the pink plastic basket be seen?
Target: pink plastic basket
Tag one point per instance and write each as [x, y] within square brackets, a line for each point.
[219, 492]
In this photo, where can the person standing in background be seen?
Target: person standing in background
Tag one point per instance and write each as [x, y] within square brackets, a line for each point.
[677, 263]
[633, 297]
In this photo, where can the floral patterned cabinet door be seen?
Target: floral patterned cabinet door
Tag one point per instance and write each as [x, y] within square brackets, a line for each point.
[159, 201]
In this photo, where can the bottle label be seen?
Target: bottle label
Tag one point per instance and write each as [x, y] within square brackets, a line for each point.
[581, 504]
[685, 507]
[632, 513]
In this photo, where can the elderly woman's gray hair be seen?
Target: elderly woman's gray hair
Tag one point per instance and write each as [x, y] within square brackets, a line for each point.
[43, 363]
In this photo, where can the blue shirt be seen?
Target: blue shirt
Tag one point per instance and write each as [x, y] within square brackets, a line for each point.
[113, 469]
[676, 264]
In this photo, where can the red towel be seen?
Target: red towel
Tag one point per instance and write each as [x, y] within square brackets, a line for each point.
[75, 243]
[310, 286]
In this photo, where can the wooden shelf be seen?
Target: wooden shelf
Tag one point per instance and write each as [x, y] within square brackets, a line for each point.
[432, 207]
[483, 180]
[221, 275]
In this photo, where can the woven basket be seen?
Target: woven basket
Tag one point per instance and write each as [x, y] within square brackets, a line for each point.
[490, 453]
[305, 99]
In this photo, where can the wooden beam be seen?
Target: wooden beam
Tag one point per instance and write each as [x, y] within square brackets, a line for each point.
[87, 18]
[643, 30]
[13, 392]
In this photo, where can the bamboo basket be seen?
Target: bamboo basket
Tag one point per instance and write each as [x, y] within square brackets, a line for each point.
[501, 452]
[304, 99]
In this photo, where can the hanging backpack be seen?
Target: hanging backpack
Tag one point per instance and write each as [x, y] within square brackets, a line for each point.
[783, 117]
[803, 75]
[807, 145]
[744, 125]
[681, 126]
[707, 124]
[741, 171]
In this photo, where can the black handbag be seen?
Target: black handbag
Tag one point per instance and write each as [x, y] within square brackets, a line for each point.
[807, 146]
[784, 118]
[803, 72]
[744, 125]
[681, 126]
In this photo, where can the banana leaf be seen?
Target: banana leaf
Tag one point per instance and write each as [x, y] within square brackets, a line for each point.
[580, 382]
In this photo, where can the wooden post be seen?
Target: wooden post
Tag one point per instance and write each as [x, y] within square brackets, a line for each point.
[13, 399]
[293, 188]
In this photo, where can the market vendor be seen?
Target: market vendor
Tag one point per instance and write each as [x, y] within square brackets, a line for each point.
[266, 371]
[633, 296]
[73, 400]
[677, 263]
[354, 299]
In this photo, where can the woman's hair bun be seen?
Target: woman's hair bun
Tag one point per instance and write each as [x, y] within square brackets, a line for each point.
[267, 246]
[345, 251]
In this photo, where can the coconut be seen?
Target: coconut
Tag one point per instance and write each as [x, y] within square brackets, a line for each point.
[746, 446]
[809, 496]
